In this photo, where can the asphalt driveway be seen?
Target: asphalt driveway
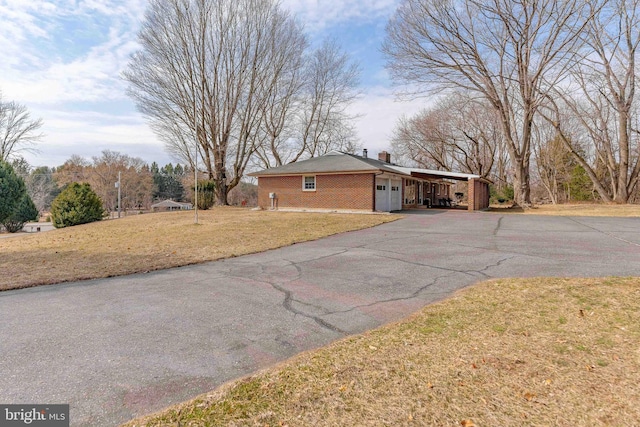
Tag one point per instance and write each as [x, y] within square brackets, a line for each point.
[122, 347]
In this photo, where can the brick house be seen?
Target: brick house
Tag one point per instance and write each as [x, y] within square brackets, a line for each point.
[342, 181]
[170, 205]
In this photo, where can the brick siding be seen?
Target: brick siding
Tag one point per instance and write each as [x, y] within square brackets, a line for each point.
[345, 191]
[478, 195]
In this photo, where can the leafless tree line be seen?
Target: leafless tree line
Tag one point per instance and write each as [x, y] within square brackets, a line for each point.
[237, 77]
[101, 172]
[552, 78]
[138, 187]
[596, 114]
[458, 133]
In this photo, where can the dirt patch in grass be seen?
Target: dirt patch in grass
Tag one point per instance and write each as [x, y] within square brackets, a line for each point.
[162, 240]
[535, 352]
[582, 209]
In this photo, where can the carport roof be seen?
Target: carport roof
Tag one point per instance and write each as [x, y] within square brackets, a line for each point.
[420, 173]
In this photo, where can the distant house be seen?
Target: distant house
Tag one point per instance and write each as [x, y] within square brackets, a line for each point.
[170, 205]
[342, 181]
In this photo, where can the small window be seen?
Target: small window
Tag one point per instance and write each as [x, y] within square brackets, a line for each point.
[309, 183]
[381, 187]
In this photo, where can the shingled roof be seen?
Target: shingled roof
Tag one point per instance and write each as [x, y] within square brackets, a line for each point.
[334, 161]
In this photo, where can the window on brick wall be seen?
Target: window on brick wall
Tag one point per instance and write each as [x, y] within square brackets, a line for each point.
[308, 183]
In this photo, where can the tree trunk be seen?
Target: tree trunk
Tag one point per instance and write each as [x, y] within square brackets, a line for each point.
[221, 188]
[622, 195]
[521, 177]
[521, 185]
[221, 193]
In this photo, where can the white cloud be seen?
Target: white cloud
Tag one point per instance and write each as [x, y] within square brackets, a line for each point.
[379, 111]
[17, 24]
[88, 133]
[38, 73]
[48, 75]
[320, 14]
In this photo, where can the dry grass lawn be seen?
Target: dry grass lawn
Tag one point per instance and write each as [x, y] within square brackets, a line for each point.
[162, 240]
[581, 209]
[535, 352]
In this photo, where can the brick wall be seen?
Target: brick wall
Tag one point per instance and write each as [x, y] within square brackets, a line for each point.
[348, 192]
[478, 195]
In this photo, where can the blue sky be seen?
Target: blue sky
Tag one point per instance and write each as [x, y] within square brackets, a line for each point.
[63, 59]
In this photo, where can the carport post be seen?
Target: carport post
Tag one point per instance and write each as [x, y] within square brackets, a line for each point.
[471, 194]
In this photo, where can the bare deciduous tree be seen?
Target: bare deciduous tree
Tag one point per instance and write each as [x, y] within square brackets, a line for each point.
[73, 170]
[418, 140]
[282, 102]
[39, 182]
[510, 52]
[136, 180]
[552, 162]
[331, 81]
[42, 188]
[220, 72]
[458, 133]
[17, 131]
[316, 109]
[602, 115]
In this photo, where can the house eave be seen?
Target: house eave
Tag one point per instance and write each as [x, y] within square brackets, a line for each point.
[353, 172]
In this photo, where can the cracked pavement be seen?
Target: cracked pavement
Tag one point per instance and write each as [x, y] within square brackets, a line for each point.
[122, 347]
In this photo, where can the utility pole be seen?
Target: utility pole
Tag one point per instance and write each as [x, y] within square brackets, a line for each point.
[195, 162]
[196, 178]
[119, 199]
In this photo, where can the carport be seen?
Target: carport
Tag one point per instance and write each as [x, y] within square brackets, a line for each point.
[477, 187]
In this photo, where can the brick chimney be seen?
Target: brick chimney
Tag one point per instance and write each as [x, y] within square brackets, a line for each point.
[383, 156]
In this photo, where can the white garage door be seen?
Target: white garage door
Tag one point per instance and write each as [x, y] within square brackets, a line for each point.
[396, 195]
[382, 195]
